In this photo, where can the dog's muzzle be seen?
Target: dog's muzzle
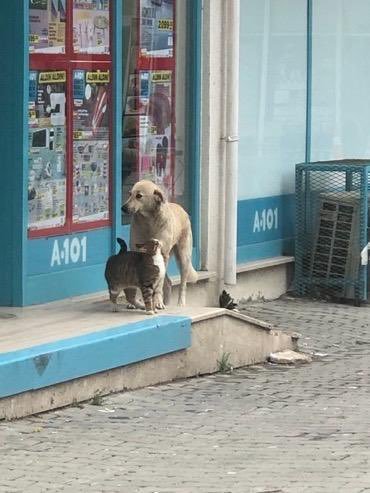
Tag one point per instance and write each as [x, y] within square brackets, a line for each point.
[125, 209]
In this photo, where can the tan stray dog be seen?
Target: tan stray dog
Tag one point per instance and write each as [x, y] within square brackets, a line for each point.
[154, 217]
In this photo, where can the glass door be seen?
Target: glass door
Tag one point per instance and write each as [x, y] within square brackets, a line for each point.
[70, 116]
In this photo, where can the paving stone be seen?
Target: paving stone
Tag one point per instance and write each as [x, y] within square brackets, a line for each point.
[289, 357]
[287, 429]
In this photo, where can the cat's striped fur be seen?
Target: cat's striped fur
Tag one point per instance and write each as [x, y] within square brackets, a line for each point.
[144, 270]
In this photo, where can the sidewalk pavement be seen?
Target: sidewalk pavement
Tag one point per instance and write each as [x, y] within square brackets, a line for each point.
[263, 429]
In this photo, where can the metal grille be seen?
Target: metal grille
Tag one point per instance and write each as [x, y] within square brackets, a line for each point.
[331, 228]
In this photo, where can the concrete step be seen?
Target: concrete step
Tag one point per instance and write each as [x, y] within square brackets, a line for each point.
[64, 352]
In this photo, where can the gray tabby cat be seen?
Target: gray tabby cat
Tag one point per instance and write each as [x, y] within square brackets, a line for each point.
[144, 270]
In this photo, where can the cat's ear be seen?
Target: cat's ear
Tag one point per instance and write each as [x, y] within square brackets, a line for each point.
[158, 195]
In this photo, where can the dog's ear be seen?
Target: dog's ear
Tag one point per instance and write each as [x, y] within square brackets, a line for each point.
[158, 195]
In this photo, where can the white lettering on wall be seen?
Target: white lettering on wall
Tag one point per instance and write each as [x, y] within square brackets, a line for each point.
[72, 250]
[265, 220]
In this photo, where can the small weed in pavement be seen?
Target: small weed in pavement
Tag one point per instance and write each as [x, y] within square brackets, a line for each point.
[75, 403]
[223, 364]
[97, 400]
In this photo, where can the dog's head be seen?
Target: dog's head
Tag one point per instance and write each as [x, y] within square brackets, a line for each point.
[145, 198]
[151, 247]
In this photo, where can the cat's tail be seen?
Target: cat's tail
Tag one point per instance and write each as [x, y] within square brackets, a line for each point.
[123, 246]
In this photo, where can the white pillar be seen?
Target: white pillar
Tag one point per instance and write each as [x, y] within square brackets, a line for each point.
[231, 138]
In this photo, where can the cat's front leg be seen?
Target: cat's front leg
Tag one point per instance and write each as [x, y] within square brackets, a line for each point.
[113, 295]
[147, 292]
[149, 307]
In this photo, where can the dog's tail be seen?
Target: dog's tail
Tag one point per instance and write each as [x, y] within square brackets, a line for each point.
[184, 260]
[123, 245]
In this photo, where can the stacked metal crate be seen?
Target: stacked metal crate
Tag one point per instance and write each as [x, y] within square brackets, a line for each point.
[332, 229]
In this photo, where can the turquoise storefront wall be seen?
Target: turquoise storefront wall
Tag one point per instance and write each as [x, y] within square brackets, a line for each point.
[265, 227]
[13, 142]
[304, 97]
[272, 124]
[42, 270]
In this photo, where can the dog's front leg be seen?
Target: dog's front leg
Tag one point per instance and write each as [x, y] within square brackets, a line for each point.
[182, 293]
[164, 293]
[167, 290]
[183, 260]
[131, 298]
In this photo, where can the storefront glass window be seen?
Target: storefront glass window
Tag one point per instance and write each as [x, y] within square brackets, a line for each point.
[69, 115]
[272, 122]
[340, 80]
[155, 92]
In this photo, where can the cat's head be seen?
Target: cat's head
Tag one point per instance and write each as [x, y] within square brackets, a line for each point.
[150, 247]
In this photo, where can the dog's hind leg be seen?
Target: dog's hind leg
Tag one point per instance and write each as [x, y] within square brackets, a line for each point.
[132, 301]
[182, 253]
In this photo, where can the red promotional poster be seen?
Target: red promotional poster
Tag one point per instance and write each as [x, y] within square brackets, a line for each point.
[90, 145]
[47, 26]
[91, 26]
[156, 28]
[69, 116]
[47, 149]
[156, 126]
[149, 99]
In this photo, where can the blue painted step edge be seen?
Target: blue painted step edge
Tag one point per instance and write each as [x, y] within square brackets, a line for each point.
[48, 364]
